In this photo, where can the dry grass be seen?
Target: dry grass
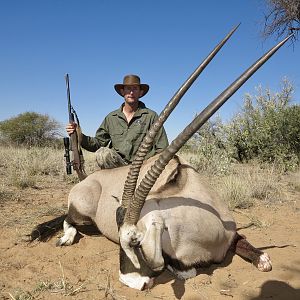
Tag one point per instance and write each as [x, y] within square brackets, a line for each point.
[64, 287]
[23, 166]
[109, 290]
[243, 184]
[27, 168]
[235, 191]
[7, 194]
[248, 183]
[294, 181]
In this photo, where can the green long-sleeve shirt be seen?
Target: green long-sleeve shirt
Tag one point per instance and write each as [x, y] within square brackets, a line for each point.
[116, 133]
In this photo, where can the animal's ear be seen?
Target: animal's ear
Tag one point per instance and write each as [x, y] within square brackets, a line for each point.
[120, 214]
[151, 244]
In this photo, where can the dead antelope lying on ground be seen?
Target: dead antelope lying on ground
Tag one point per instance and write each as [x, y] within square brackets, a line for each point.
[172, 220]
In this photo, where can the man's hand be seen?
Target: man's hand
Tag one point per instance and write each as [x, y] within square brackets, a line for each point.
[71, 128]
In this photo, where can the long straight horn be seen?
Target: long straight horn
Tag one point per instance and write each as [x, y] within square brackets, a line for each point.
[143, 150]
[136, 205]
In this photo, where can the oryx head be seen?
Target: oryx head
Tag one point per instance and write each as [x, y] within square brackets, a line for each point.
[141, 256]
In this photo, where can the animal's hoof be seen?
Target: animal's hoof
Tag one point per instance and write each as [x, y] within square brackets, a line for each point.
[264, 263]
[63, 241]
[59, 243]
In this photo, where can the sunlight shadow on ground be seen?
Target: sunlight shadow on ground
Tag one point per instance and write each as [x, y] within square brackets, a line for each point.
[178, 285]
[278, 290]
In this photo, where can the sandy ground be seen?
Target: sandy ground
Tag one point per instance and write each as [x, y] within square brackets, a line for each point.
[89, 268]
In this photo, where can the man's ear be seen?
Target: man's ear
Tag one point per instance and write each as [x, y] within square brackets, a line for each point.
[122, 92]
[141, 93]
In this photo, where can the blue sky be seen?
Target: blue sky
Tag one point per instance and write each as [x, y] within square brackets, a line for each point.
[98, 42]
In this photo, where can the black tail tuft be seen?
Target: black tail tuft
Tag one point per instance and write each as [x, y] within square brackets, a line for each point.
[43, 232]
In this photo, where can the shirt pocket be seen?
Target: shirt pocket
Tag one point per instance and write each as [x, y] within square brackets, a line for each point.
[138, 133]
[140, 127]
[117, 138]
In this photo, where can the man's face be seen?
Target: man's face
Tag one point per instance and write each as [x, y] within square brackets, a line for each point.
[132, 93]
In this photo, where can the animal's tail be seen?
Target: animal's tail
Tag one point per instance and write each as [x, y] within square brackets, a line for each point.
[43, 232]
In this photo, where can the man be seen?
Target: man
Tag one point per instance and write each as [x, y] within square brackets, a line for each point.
[122, 131]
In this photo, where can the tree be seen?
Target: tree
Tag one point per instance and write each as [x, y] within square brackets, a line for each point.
[30, 129]
[283, 17]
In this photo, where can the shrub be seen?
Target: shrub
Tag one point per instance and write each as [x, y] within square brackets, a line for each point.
[30, 129]
[207, 151]
[267, 129]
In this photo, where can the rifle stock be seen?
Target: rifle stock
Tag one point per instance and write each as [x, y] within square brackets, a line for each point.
[77, 159]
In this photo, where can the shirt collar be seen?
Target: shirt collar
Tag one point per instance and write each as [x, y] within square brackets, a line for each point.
[141, 110]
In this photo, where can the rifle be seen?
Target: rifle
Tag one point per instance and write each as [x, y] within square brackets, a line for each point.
[72, 143]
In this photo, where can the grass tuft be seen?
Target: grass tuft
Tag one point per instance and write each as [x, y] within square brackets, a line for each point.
[236, 193]
[250, 183]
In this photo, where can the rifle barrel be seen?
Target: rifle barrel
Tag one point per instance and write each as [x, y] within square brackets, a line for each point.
[71, 115]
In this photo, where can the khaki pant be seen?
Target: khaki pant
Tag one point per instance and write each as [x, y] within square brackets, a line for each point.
[107, 158]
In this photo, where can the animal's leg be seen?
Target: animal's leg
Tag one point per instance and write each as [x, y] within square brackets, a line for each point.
[77, 215]
[259, 259]
[69, 235]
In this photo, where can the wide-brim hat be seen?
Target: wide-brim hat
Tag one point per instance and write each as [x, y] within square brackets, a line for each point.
[132, 80]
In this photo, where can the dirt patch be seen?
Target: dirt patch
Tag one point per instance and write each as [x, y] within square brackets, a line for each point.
[89, 268]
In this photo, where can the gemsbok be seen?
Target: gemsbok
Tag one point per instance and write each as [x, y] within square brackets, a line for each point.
[160, 211]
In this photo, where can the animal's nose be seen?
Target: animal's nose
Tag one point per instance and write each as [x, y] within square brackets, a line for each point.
[148, 284]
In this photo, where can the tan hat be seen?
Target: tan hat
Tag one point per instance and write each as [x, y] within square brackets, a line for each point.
[132, 80]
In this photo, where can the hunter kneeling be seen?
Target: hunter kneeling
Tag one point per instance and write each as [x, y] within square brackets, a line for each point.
[117, 139]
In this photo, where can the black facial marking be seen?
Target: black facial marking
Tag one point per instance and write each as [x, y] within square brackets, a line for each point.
[126, 266]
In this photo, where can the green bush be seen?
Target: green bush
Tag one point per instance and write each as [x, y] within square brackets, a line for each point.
[267, 129]
[30, 129]
[208, 151]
